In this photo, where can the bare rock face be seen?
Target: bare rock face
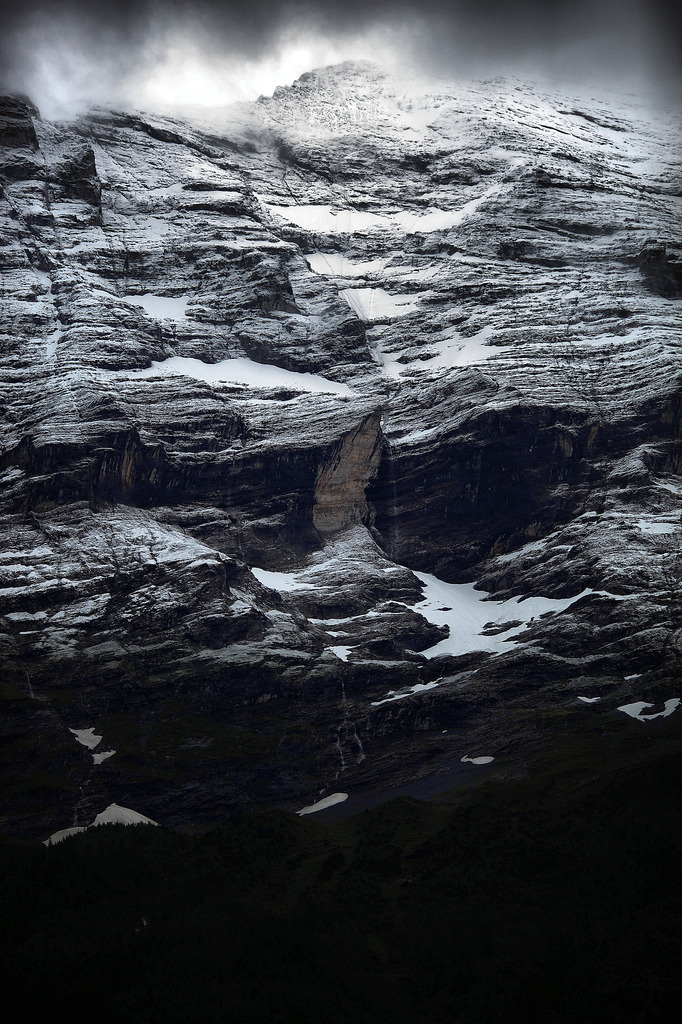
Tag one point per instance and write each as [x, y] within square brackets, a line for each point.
[341, 483]
[341, 443]
[661, 267]
[16, 125]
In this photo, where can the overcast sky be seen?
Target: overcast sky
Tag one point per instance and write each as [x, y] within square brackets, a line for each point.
[64, 53]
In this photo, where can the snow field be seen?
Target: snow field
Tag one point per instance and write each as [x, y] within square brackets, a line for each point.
[465, 612]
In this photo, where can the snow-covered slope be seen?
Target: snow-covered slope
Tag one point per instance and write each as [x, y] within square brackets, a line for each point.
[292, 393]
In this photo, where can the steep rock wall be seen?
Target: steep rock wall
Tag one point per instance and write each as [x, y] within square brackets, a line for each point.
[342, 481]
[215, 550]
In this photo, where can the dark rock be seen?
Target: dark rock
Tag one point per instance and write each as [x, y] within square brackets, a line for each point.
[661, 267]
[16, 125]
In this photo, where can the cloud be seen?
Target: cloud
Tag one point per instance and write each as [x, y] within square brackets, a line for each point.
[146, 52]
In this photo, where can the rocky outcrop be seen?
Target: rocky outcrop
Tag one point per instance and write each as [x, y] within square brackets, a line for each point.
[341, 435]
[16, 125]
[342, 481]
[661, 267]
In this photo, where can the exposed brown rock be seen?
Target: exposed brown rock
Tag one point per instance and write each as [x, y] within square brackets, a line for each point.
[340, 499]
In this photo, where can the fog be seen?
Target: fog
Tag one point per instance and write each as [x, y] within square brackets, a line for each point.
[151, 53]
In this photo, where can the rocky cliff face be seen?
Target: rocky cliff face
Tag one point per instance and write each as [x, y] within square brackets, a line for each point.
[341, 440]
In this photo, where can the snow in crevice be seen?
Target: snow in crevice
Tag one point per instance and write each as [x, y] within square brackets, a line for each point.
[51, 343]
[281, 581]
[388, 361]
[341, 651]
[160, 307]
[334, 264]
[377, 304]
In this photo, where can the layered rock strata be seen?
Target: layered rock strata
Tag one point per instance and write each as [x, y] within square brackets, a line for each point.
[280, 387]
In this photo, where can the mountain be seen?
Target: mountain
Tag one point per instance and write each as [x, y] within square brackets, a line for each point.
[340, 448]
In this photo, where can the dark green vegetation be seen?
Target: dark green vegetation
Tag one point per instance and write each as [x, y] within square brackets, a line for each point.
[546, 900]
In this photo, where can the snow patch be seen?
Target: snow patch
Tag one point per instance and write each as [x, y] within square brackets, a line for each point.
[328, 801]
[441, 220]
[635, 710]
[87, 737]
[465, 612]
[477, 760]
[282, 581]
[333, 264]
[657, 528]
[150, 229]
[533, 545]
[90, 739]
[114, 814]
[44, 278]
[377, 304]
[400, 695]
[450, 348]
[589, 700]
[245, 371]
[64, 833]
[326, 219]
[341, 652]
[98, 758]
[160, 307]
[175, 189]
[456, 350]
[51, 343]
